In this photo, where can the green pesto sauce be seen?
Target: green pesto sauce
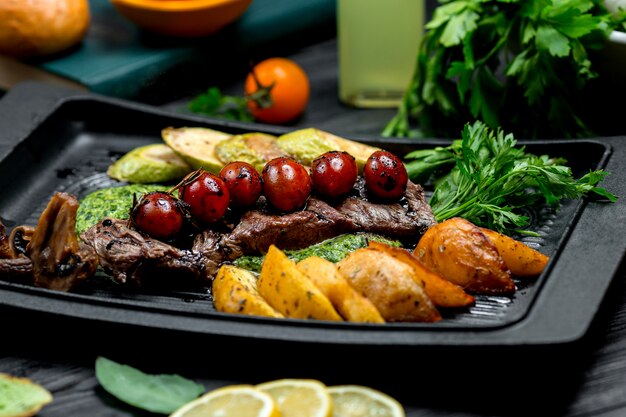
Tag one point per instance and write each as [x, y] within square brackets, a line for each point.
[334, 250]
[112, 202]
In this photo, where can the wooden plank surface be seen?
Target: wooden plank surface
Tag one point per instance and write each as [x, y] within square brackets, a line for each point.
[588, 379]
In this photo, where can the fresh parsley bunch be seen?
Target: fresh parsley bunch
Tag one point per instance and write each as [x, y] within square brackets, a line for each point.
[489, 179]
[516, 64]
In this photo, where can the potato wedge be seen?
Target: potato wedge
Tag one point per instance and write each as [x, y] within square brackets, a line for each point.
[389, 285]
[290, 292]
[442, 293]
[196, 145]
[458, 251]
[522, 260]
[347, 301]
[235, 291]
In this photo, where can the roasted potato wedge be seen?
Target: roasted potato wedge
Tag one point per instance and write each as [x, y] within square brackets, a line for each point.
[442, 293]
[349, 303]
[522, 260]
[389, 284]
[235, 291]
[458, 251]
[290, 292]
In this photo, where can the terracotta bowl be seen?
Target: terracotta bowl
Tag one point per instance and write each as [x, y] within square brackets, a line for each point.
[182, 18]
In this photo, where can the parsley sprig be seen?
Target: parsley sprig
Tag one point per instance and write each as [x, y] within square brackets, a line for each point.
[214, 103]
[516, 64]
[492, 179]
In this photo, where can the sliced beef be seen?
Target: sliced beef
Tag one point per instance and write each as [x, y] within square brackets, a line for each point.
[258, 229]
[17, 269]
[130, 256]
[407, 219]
[5, 247]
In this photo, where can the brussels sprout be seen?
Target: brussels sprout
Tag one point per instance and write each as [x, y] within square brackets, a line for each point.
[149, 164]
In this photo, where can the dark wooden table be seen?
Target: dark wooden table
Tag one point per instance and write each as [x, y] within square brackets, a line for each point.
[586, 379]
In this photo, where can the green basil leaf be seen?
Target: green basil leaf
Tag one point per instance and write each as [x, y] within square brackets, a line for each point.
[162, 394]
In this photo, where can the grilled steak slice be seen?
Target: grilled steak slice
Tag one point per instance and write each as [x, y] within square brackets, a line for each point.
[59, 260]
[5, 247]
[19, 269]
[257, 230]
[130, 256]
[407, 219]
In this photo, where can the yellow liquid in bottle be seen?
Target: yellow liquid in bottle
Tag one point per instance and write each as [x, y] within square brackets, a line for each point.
[378, 45]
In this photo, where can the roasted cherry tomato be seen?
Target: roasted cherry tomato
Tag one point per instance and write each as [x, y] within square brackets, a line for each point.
[385, 175]
[159, 214]
[334, 173]
[286, 184]
[206, 194]
[243, 182]
[286, 85]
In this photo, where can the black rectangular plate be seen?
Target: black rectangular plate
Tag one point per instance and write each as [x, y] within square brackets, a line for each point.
[58, 140]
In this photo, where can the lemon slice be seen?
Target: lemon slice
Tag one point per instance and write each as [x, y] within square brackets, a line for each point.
[299, 397]
[358, 401]
[231, 401]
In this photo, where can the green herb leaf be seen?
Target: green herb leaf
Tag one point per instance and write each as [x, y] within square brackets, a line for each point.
[161, 394]
[521, 65]
[333, 250]
[550, 39]
[214, 103]
[492, 179]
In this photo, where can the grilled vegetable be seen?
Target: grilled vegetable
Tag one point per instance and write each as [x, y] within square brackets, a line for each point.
[385, 175]
[235, 291]
[286, 184]
[522, 260]
[389, 284]
[253, 148]
[349, 303]
[458, 251]
[243, 182]
[442, 293]
[290, 292]
[196, 145]
[159, 214]
[334, 173]
[149, 164]
[114, 202]
[207, 196]
[307, 144]
[333, 250]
